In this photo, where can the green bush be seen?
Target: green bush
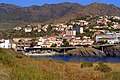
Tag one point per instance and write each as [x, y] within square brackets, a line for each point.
[61, 62]
[102, 67]
[5, 58]
[50, 59]
[102, 42]
[100, 63]
[86, 45]
[113, 75]
[19, 56]
[53, 45]
[86, 64]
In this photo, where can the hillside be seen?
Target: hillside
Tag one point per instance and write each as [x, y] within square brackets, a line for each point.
[12, 14]
[15, 66]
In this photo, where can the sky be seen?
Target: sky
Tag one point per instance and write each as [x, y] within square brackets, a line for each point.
[42, 2]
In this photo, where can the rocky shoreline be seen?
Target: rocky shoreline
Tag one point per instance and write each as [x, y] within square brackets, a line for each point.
[88, 51]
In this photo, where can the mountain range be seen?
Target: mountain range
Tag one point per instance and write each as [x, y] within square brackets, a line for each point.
[12, 14]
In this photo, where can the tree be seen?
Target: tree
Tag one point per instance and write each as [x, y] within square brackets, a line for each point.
[33, 44]
[65, 43]
[53, 45]
[102, 42]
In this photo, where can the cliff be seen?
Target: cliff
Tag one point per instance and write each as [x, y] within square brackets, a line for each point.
[112, 51]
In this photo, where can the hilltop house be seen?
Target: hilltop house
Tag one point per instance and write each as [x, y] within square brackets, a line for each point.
[17, 28]
[28, 29]
[80, 22]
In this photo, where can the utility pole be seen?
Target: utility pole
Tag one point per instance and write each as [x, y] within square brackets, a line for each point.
[64, 51]
[102, 48]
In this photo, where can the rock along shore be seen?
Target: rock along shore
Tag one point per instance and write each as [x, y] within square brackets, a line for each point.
[88, 51]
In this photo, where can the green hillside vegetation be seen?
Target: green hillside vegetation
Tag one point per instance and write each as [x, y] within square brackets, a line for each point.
[15, 66]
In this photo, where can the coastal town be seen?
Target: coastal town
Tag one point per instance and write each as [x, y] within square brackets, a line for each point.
[80, 32]
[59, 39]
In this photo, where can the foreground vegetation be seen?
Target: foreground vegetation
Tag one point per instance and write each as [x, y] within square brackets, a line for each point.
[15, 66]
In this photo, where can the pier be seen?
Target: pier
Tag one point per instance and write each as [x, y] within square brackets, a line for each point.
[56, 49]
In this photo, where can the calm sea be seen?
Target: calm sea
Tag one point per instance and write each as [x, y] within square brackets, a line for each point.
[80, 59]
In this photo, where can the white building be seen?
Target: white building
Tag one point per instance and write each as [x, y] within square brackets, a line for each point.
[71, 32]
[5, 44]
[81, 29]
[110, 38]
[40, 43]
[28, 29]
[18, 28]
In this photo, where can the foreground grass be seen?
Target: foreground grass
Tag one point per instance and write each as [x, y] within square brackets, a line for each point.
[15, 66]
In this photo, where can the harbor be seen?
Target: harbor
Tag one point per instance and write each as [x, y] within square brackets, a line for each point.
[95, 50]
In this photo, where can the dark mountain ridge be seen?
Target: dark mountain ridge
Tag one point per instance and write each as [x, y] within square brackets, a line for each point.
[53, 12]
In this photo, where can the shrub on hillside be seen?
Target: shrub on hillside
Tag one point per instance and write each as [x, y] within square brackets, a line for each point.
[86, 64]
[100, 63]
[50, 59]
[19, 56]
[102, 67]
[61, 62]
[5, 58]
[113, 75]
